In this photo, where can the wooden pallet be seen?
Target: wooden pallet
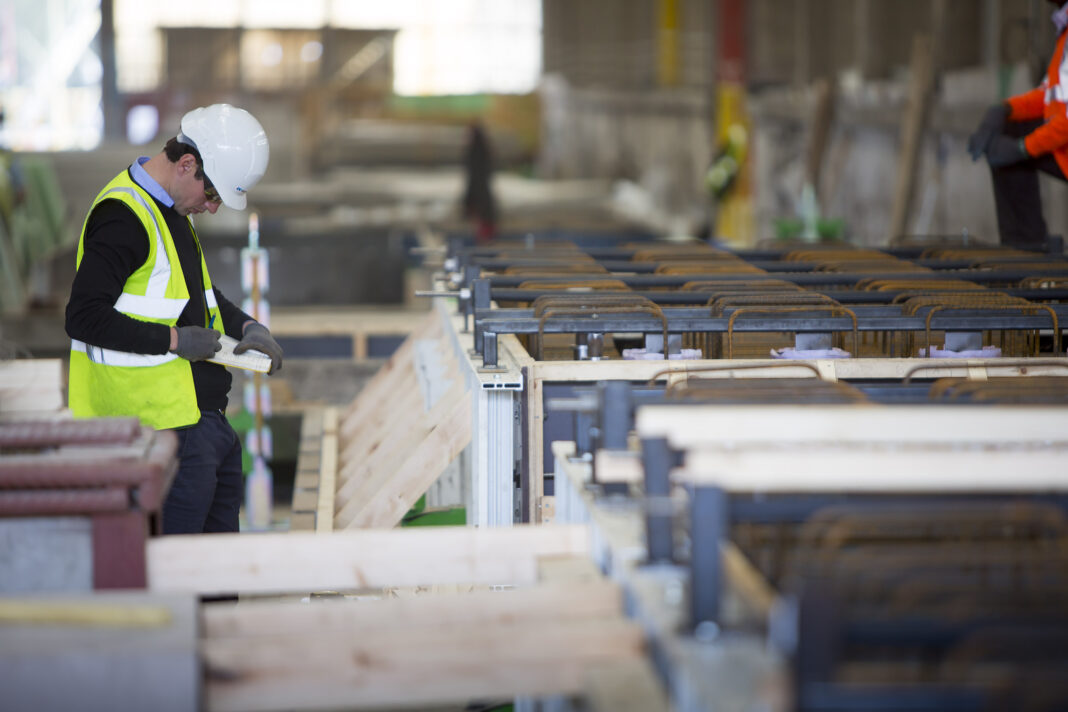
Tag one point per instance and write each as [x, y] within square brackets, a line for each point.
[394, 440]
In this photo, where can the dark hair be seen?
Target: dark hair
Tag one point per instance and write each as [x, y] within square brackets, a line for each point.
[175, 149]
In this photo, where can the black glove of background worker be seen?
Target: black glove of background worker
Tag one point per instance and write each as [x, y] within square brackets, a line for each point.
[1005, 150]
[992, 125]
[257, 337]
[195, 343]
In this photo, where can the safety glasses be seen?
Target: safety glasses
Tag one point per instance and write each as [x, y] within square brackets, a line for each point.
[209, 189]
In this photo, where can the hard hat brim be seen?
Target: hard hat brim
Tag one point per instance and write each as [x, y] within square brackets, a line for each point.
[231, 198]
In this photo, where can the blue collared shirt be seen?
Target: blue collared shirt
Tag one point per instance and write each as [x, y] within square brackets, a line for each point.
[143, 179]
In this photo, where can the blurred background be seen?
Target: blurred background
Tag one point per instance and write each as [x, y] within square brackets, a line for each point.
[746, 122]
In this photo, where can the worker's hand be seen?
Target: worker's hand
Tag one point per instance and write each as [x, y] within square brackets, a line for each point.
[1005, 150]
[993, 124]
[257, 337]
[195, 343]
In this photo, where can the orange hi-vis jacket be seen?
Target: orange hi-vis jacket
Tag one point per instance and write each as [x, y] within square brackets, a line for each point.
[1048, 101]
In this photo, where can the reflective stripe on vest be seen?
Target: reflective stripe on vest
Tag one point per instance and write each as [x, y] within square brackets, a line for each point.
[152, 304]
[153, 308]
[110, 357]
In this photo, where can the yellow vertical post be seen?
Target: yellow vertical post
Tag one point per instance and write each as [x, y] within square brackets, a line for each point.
[734, 214]
[668, 42]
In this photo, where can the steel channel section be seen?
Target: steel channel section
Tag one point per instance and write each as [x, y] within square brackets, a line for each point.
[489, 348]
[481, 304]
[619, 254]
[709, 514]
[871, 317]
[847, 298]
[616, 414]
[481, 294]
[797, 275]
[769, 266]
[656, 462]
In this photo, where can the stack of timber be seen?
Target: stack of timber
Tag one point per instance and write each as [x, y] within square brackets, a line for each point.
[415, 617]
[31, 388]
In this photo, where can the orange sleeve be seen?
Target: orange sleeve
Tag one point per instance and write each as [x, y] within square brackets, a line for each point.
[1049, 136]
[1027, 106]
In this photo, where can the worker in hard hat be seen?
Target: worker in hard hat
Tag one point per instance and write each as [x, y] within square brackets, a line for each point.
[143, 315]
[1021, 136]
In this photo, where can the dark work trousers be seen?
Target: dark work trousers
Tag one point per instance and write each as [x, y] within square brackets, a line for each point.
[207, 491]
[1016, 194]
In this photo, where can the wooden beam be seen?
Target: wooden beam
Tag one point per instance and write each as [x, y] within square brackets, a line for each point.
[568, 569]
[625, 686]
[414, 666]
[379, 388]
[879, 470]
[374, 436]
[31, 386]
[535, 424]
[588, 599]
[810, 424]
[324, 515]
[352, 560]
[843, 369]
[921, 89]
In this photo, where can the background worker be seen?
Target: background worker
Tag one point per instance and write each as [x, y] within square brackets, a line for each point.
[1026, 134]
[479, 204]
[143, 315]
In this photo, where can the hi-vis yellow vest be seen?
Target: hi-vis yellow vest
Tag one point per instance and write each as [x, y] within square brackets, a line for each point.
[157, 388]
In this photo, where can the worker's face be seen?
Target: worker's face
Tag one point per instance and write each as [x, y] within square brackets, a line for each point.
[194, 193]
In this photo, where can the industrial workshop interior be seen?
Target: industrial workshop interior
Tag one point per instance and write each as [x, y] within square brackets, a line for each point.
[533, 355]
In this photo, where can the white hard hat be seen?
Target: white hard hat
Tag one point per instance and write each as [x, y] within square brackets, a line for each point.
[232, 145]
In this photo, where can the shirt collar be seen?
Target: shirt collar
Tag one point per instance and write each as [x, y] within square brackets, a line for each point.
[143, 179]
[1060, 17]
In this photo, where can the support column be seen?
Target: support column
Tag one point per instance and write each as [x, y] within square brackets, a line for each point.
[114, 116]
[493, 458]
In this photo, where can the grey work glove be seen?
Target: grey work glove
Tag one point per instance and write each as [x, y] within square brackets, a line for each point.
[195, 343]
[1005, 150]
[257, 337]
[993, 124]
